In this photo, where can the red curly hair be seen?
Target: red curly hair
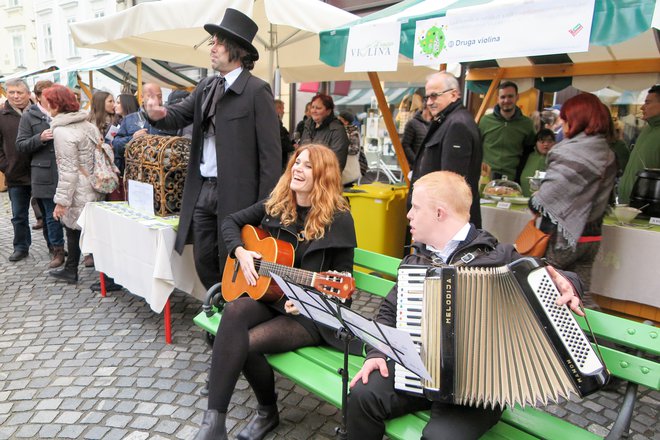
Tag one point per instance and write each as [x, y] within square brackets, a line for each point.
[61, 98]
[326, 196]
[585, 113]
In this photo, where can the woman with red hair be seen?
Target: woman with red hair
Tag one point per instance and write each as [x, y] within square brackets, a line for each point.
[75, 139]
[575, 192]
[306, 209]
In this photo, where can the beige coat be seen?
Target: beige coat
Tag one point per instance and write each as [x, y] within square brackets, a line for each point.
[75, 141]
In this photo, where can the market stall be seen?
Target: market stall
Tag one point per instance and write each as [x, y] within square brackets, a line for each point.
[597, 44]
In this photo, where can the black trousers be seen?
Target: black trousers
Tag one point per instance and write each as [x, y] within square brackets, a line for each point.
[73, 249]
[370, 405]
[209, 250]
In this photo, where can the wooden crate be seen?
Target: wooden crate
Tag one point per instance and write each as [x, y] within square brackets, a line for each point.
[162, 162]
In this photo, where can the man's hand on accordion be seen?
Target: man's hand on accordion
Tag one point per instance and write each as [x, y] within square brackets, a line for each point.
[568, 294]
[369, 366]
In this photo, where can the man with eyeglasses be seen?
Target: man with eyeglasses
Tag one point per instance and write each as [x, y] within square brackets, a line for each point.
[508, 136]
[453, 141]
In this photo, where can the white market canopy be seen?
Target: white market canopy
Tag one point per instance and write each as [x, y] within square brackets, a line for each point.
[623, 47]
[118, 67]
[172, 30]
[123, 69]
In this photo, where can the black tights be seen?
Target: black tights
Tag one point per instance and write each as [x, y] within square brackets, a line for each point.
[248, 330]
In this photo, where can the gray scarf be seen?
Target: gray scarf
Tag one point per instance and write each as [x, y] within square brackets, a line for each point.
[579, 178]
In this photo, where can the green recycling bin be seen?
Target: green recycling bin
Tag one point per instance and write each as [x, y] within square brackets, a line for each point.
[379, 212]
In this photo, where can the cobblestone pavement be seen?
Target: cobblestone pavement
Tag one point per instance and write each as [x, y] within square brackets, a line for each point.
[75, 365]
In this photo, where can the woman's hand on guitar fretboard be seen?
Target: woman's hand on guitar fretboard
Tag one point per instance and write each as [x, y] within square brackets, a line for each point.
[246, 263]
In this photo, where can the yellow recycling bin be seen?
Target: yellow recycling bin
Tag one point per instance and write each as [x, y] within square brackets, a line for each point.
[379, 212]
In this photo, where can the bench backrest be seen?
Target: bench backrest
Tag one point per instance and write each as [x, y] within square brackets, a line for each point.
[375, 274]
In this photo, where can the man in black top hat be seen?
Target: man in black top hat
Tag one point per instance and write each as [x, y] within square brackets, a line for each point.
[235, 153]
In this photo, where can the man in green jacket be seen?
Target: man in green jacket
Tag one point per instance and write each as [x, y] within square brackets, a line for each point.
[646, 153]
[508, 136]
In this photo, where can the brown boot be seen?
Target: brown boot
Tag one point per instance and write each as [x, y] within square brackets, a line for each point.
[58, 257]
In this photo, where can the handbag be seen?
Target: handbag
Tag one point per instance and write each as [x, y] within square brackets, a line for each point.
[531, 241]
[104, 177]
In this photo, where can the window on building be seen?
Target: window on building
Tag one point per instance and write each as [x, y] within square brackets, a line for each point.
[99, 14]
[73, 49]
[48, 41]
[13, 3]
[19, 49]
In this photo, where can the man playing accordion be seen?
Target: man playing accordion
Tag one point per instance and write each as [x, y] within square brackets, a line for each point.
[439, 224]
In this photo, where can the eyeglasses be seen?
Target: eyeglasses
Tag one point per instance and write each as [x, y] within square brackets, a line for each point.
[434, 95]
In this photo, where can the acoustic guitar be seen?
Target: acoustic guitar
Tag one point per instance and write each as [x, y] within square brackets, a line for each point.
[277, 257]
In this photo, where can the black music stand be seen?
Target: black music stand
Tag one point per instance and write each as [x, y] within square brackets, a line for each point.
[350, 325]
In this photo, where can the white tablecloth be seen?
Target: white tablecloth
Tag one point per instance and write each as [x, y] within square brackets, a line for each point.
[138, 252]
[626, 267]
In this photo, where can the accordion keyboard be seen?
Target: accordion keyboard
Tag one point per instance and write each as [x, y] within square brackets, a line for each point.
[409, 319]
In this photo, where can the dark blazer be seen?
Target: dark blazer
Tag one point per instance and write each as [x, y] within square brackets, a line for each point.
[248, 151]
[43, 165]
[15, 165]
[453, 143]
[330, 133]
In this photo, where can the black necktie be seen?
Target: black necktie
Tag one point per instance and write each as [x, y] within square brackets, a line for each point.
[215, 92]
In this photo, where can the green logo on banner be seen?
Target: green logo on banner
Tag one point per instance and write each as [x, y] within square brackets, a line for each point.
[432, 42]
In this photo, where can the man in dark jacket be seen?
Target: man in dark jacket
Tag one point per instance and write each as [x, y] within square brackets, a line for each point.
[16, 166]
[453, 142]
[235, 154]
[439, 225]
[35, 138]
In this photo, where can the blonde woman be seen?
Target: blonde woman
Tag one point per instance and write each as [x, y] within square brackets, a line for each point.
[306, 209]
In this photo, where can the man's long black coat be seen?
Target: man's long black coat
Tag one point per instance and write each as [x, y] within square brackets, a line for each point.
[248, 150]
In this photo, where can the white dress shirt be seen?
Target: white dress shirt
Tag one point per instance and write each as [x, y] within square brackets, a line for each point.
[209, 167]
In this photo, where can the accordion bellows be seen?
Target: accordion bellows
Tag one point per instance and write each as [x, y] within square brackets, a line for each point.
[161, 161]
[495, 337]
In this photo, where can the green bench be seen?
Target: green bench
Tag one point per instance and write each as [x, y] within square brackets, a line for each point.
[316, 368]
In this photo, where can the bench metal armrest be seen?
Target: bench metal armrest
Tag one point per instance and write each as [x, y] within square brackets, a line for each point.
[213, 298]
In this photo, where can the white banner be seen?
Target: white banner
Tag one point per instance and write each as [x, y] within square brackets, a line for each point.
[505, 30]
[373, 48]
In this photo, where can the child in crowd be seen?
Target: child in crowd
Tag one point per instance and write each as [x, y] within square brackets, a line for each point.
[545, 140]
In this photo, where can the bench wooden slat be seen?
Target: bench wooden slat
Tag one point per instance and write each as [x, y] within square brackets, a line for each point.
[208, 323]
[633, 368]
[543, 425]
[502, 431]
[623, 331]
[300, 370]
[372, 284]
[380, 263]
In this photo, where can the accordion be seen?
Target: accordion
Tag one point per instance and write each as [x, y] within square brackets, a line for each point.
[493, 336]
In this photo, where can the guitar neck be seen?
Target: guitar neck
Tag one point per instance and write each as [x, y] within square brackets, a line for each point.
[299, 276]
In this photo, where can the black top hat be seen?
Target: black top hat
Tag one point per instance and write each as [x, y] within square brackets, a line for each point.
[237, 27]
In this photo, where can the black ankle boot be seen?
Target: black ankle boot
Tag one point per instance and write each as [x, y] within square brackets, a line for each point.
[213, 426]
[68, 275]
[265, 420]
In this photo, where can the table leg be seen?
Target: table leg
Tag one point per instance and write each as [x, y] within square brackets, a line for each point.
[168, 323]
[103, 291]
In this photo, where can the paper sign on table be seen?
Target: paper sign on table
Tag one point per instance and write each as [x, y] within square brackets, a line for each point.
[141, 196]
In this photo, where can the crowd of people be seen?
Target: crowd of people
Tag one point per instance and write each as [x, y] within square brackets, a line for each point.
[245, 169]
